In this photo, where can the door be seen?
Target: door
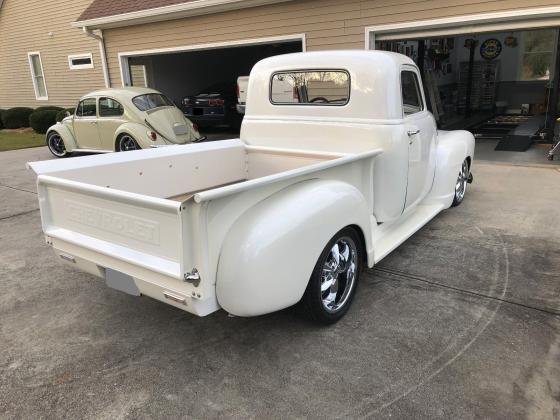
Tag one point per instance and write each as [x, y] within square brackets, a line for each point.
[111, 117]
[421, 131]
[85, 124]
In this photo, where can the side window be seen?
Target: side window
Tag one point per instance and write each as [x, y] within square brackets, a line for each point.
[411, 96]
[87, 108]
[110, 108]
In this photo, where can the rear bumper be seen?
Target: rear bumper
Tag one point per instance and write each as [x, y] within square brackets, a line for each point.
[209, 120]
[159, 286]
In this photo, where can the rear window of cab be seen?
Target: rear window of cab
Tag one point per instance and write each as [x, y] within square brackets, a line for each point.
[150, 101]
[310, 87]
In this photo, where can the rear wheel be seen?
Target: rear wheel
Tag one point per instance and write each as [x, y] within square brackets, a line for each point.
[333, 282]
[126, 142]
[56, 145]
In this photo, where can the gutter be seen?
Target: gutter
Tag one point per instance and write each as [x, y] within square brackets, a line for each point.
[102, 52]
[175, 11]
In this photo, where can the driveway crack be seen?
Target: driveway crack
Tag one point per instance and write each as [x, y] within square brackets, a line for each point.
[18, 189]
[18, 214]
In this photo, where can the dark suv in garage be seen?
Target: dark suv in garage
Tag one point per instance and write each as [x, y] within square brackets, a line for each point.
[213, 106]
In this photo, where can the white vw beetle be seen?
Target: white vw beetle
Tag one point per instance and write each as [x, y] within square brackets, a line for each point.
[119, 120]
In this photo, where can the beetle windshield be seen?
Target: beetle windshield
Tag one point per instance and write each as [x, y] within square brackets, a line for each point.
[151, 101]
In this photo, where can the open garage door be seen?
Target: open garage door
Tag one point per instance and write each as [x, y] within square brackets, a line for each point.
[204, 75]
[495, 74]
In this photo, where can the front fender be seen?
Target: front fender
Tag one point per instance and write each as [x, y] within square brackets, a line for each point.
[453, 147]
[66, 133]
[269, 253]
[140, 134]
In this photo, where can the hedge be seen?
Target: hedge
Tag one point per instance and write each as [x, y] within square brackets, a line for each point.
[49, 108]
[16, 117]
[41, 120]
[60, 115]
[1, 124]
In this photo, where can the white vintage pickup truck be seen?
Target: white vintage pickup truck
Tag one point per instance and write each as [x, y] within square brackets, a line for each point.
[324, 180]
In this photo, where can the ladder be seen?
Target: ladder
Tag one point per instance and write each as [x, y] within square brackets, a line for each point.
[433, 94]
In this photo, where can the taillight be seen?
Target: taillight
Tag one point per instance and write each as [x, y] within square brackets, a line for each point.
[216, 102]
[238, 91]
[152, 135]
[195, 127]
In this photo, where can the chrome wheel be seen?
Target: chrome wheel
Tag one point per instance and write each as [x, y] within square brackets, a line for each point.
[461, 184]
[335, 278]
[56, 144]
[127, 143]
[339, 274]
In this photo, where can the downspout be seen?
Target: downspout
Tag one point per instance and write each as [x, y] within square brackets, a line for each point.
[102, 52]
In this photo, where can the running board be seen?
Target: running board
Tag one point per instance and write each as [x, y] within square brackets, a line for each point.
[388, 236]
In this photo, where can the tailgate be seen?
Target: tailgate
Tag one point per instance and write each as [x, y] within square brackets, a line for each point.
[111, 227]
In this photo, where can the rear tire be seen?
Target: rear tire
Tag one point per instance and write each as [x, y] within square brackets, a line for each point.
[126, 142]
[333, 283]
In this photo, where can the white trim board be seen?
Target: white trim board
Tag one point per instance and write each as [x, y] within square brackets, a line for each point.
[73, 66]
[519, 19]
[175, 11]
[124, 56]
[34, 77]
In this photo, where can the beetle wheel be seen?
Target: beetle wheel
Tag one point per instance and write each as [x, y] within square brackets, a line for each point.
[126, 142]
[56, 144]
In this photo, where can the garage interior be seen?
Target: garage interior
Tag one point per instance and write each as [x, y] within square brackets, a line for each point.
[496, 85]
[186, 73]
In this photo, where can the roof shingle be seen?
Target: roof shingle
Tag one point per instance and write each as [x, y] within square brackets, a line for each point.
[104, 8]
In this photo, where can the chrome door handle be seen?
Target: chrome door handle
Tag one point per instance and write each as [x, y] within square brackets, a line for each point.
[93, 122]
[413, 132]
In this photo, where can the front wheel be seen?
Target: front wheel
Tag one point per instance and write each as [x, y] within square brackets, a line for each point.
[333, 282]
[126, 142]
[461, 184]
[56, 145]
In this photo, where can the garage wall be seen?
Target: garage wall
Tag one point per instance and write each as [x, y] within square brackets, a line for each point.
[25, 27]
[328, 24]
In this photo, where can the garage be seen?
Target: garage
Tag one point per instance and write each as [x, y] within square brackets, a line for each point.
[199, 72]
[494, 76]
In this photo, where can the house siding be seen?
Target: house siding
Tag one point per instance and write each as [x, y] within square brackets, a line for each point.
[328, 24]
[25, 27]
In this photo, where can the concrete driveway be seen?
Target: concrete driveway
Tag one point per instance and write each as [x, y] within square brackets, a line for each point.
[462, 321]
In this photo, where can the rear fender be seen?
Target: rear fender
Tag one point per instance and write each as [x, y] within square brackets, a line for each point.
[140, 134]
[269, 253]
[453, 147]
[67, 136]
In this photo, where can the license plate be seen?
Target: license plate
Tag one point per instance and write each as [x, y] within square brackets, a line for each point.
[120, 281]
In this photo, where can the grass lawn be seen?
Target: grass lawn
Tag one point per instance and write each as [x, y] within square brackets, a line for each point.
[19, 139]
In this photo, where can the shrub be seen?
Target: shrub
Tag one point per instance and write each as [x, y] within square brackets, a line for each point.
[41, 120]
[60, 115]
[1, 125]
[16, 117]
[49, 107]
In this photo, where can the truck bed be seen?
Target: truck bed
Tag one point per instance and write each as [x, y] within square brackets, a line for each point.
[148, 214]
[179, 172]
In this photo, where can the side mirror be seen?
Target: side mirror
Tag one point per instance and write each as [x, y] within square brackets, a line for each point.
[68, 113]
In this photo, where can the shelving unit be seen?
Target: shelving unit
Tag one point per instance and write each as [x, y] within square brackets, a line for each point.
[484, 85]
